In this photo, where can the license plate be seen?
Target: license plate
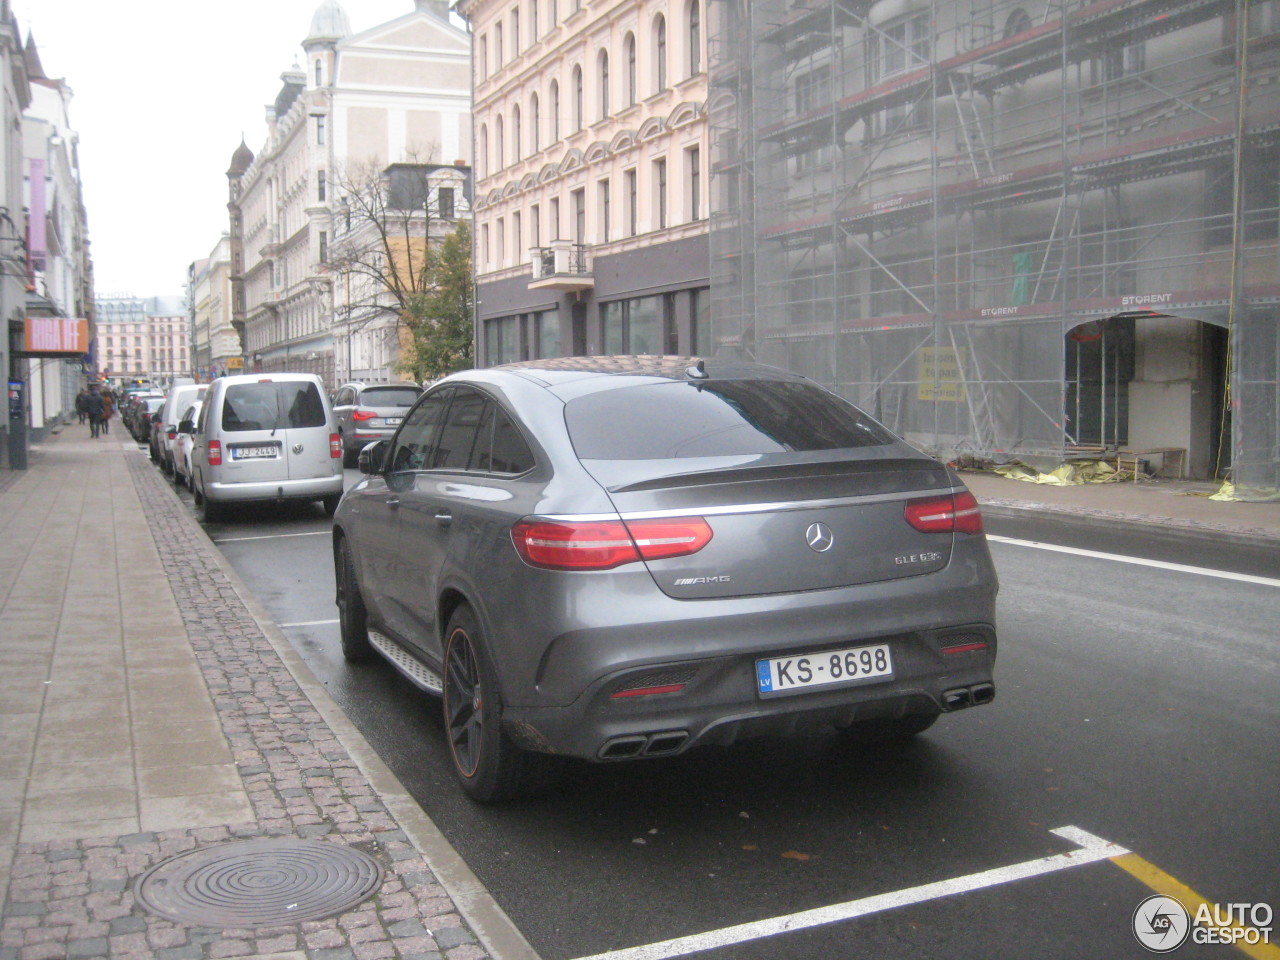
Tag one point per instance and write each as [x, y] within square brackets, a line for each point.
[803, 672]
[255, 453]
[393, 421]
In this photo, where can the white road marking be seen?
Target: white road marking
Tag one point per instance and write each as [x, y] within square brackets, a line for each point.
[1159, 564]
[275, 536]
[308, 623]
[1092, 849]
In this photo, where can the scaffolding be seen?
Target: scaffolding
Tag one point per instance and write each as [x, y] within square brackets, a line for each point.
[1009, 229]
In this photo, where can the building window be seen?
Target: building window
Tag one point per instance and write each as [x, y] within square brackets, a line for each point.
[484, 153]
[499, 145]
[1116, 63]
[579, 199]
[320, 122]
[533, 21]
[499, 56]
[604, 211]
[693, 164]
[633, 326]
[604, 84]
[535, 226]
[659, 54]
[515, 31]
[502, 337]
[898, 46]
[444, 203]
[555, 111]
[660, 193]
[577, 97]
[546, 333]
[517, 228]
[319, 73]
[535, 122]
[321, 186]
[485, 251]
[515, 134]
[629, 178]
[324, 246]
[484, 57]
[553, 13]
[695, 39]
[630, 45]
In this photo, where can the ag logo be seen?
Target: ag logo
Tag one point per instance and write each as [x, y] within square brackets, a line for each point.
[1161, 923]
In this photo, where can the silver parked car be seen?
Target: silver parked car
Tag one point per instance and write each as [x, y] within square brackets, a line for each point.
[370, 411]
[624, 557]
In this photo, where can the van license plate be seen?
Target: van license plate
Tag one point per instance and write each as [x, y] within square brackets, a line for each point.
[255, 453]
[803, 672]
[392, 421]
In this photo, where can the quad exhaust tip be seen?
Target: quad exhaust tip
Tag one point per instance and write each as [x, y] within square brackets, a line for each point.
[974, 696]
[661, 744]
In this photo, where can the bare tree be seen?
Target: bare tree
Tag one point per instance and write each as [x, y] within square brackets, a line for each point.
[391, 227]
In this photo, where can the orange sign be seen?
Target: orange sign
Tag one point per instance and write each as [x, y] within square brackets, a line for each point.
[47, 336]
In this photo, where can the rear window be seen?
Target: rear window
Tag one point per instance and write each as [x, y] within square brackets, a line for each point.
[390, 396]
[674, 420]
[272, 405]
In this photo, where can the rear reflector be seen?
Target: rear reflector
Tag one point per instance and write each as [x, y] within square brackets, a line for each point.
[965, 647]
[605, 544]
[956, 513]
[647, 691]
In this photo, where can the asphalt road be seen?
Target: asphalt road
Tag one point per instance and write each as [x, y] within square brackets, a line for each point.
[1134, 703]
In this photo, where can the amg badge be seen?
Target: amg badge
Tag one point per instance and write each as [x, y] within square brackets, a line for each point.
[692, 581]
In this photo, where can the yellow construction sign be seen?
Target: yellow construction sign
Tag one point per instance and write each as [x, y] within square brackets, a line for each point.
[945, 364]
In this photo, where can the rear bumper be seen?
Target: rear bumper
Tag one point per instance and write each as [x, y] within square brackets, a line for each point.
[313, 488]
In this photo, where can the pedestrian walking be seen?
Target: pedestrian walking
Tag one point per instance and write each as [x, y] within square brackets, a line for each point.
[82, 408]
[108, 407]
[93, 409]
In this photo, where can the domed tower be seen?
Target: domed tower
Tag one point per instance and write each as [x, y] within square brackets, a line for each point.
[329, 24]
[241, 160]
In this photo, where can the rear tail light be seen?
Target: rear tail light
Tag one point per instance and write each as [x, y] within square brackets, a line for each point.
[362, 414]
[605, 544]
[956, 513]
[215, 453]
[172, 434]
[335, 446]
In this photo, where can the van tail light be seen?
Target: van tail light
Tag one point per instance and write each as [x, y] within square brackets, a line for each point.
[335, 446]
[605, 544]
[215, 453]
[954, 513]
[171, 434]
[362, 414]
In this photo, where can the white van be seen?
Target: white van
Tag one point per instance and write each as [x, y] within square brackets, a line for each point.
[164, 436]
[265, 437]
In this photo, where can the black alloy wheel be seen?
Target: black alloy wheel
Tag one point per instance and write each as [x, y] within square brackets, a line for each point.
[489, 766]
[353, 621]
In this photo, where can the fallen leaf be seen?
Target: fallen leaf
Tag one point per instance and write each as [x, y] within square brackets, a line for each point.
[795, 855]
[749, 846]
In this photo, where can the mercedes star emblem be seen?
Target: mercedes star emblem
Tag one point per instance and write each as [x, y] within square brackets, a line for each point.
[819, 537]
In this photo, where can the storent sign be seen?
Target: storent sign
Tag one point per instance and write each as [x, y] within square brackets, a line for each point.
[55, 335]
[1162, 924]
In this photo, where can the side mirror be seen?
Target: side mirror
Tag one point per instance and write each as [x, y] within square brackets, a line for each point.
[373, 457]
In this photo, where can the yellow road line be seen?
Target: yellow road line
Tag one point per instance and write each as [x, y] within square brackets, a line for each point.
[1161, 882]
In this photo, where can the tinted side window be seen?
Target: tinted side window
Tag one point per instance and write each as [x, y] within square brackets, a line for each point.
[458, 438]
[388, 397]
[419, 433]
[509, 453]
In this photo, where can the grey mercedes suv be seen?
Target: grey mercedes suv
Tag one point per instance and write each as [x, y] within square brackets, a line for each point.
[613, 558]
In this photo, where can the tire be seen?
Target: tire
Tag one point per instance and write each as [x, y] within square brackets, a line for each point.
[330, 504]
[897, 730]
[350, 458]
[210, 511]
[488, 765]
[353, 620]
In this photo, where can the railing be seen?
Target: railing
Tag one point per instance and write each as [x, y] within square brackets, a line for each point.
[561, 259]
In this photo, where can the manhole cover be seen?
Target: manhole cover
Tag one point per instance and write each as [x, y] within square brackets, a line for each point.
[259, 883]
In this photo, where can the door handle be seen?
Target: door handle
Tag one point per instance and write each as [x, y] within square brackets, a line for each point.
[444, 518]
[392, 502]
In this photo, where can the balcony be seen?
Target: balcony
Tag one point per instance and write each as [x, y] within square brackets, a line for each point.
[562, 266]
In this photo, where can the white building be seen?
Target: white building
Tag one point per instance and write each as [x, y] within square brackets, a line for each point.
[397, 92]
[143, 338]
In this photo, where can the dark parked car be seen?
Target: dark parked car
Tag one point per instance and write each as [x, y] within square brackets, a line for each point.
[140, 419]
[624, 557]
[370, 411]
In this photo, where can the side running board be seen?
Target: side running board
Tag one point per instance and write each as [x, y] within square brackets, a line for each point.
[414, 670]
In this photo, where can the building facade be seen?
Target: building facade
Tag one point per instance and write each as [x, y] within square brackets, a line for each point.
[1009, 228]
[398, 92]
[215, 343]
[15, 95]
[143, 338]
[591, 164]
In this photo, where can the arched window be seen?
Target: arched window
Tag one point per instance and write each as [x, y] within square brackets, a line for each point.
[577, 97]
[555, 111]
[603, 77]
[659, 54]
[484, 149]
[630, 44]
[695, 38]
[515, 134]
[499, 151]
[319, 73]
[535, 122]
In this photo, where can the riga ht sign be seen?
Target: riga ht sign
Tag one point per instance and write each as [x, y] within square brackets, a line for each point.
[55, 337]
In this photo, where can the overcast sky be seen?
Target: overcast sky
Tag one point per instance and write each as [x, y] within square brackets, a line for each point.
[163, 91]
